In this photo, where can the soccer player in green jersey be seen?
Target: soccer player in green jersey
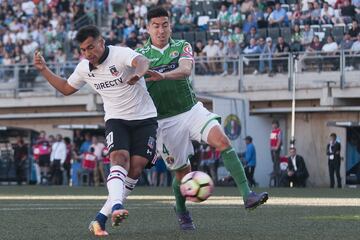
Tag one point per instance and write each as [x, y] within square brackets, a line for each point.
[181, 118]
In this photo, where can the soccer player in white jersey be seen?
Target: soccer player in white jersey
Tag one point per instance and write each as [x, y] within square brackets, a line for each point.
[181, 117]
[116, 74]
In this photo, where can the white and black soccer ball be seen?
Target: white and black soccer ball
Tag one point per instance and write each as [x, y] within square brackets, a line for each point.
[196, 186]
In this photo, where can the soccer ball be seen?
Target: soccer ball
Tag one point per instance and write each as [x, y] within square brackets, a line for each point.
[196, 186]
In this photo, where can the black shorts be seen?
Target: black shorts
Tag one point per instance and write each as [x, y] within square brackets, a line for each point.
[44, 160]
[138, 137]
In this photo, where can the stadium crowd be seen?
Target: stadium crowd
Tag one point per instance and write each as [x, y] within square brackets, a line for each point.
[268, 29]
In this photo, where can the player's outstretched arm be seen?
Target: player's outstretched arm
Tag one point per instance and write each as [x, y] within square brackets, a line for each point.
[57, 82]
[141, 65]
[183, 71]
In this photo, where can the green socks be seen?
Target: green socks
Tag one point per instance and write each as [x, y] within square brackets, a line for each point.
[180, 200]
[236, 169]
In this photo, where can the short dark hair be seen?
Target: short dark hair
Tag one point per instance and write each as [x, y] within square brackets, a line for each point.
[275, 122]
[248, 138]
[333, 135]
[157, 12]
[87, 31]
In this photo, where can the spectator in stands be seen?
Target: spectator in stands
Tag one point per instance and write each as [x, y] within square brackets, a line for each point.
[355, 50]
[140, 9]
[200, 66]
[333, 152]
[296, 37]
[238, 36]
[225, 36]
[312, 51]
[132, 42]
[355, 30]
[252, 47]
[223, 17]
[259, 16]
[235, 18]
[231, 57]
[99, 165]
[129, 27]
[112, 39]
[20, 158]
[346, 43]
[297, 172]
[307, 36]
[348, 12]
[247, 6]
[252, 34]
[234, 4]
[315, 14]
[278, 17]
[282, 51]
[250, 161]
[356, 3]
[296, 16]
[210, 51]
[264, 23]
[57, 159]
[117, 24]
[249, 23]
[186, 21]
[330, 50]
[267, 56]
[327, 14]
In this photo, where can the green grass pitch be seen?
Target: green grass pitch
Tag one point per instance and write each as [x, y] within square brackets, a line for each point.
[63, 213]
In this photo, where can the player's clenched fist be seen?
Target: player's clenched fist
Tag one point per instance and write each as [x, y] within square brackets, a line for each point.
[39, 61]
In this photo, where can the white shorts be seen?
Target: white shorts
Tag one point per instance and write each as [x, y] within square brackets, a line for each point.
[175, 133]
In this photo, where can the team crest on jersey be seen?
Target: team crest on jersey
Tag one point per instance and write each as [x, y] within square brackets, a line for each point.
[151, 142]
[174, 54]
[114, 71]
[232, 126]
[187, 49]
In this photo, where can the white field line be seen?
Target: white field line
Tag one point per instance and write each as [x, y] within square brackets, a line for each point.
[214, 200]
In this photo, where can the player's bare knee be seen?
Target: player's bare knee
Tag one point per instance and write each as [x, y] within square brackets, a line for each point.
[119, 158]
[223, 143]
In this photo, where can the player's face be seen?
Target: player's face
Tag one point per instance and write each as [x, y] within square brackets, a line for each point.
[160, 30]
[93, 49]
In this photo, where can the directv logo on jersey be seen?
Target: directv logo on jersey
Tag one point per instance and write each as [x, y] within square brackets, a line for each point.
[114, 71]
[108, 84]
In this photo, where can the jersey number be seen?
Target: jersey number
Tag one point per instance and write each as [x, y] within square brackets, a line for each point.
[165, 151]
[110, 139]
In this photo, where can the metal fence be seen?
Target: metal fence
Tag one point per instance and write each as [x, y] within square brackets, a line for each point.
[267, 71]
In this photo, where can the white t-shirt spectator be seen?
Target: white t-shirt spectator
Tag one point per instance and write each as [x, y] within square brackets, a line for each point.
[9, 35]
[30, 48]
[28, 7]
[329, 12]
[330, 47]
[356, 46]
[141, 10]
[211, 51]
[58, 152]
[98, 148]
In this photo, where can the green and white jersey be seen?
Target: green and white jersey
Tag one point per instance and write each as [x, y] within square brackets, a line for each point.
[171, 97]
